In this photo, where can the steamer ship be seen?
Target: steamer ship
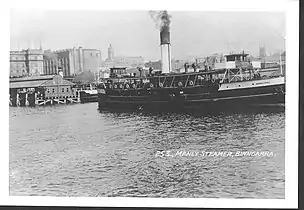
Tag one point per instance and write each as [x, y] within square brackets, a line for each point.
[235, 82]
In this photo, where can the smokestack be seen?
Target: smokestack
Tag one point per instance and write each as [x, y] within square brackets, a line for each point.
[165, 48]
[165, 35]
[162, 19]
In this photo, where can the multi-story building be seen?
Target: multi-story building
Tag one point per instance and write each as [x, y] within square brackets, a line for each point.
[50, 61]
[34, 61]
[26, 62]
[91, 60]
[17, 63]
[127, 61]
[72, 61]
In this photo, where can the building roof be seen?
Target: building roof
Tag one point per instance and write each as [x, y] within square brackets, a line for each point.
[55, 82]
[29, 82]
[32, 78]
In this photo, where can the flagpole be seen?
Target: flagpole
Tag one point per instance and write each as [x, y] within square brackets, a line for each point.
[281, 64]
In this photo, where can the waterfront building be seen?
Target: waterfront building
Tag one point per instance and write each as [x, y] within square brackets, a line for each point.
[72, 61]
[50, 62]
[91, 60]
[17, 64]
[34, 61]
[40, 90]
[26, 62]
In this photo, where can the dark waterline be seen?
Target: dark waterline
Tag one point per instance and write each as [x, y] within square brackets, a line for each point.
[75, 150]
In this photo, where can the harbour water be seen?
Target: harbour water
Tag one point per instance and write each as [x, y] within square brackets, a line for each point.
[75, 150]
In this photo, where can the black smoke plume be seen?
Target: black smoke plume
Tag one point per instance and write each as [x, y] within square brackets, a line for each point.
[161, 18]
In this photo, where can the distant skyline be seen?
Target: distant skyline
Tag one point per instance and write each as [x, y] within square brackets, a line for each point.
[133, 33]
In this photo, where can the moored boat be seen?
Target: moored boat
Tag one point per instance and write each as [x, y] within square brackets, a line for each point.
[88, 94]
[236, 83]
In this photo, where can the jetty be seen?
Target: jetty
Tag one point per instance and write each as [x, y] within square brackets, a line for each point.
[42, 90]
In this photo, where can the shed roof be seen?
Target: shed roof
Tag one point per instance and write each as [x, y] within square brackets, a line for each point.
[32, 78]
[43, 82]
[27, 84]
[61, 82]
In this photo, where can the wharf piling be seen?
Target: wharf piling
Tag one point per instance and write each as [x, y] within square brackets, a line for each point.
[32, 100]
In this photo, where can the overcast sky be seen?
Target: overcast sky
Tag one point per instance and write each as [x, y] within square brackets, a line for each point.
[133, 33]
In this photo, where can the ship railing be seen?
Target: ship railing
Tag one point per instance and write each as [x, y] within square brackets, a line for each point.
[242, 75]
[165, 81]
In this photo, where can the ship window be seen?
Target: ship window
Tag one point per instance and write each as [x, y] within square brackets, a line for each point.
[227, 86]
[67, 90]
[63, 90]
[48, 90]
[239, 85]
[53, 90]
[252, 83]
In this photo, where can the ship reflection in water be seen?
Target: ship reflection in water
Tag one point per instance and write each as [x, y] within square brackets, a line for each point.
[78, 151]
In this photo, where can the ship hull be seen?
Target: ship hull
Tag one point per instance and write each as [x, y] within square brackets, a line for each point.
[201, 97]
[88, 96]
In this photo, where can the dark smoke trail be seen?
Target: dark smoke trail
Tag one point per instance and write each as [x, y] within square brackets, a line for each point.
[161, 18]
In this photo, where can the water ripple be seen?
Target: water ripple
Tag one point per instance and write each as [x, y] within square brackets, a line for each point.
[77, 151]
